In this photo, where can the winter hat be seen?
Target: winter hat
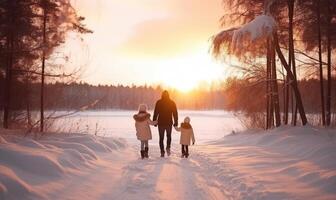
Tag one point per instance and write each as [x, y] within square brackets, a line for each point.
[142, 108]
[187, 120]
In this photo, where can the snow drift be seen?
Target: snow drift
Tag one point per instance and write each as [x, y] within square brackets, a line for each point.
[284, 163]
[25, 160]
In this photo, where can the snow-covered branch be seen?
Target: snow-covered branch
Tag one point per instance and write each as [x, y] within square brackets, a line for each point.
[249, 38]
[261, 28]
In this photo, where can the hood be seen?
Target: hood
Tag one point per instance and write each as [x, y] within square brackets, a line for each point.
[142, 108]
[186, 126]
[140, 117]
[165, 95]
[186, 120]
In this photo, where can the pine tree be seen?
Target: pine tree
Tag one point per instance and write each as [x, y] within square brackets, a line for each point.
[17, 40]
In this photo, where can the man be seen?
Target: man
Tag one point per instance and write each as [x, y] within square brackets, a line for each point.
[165, 110]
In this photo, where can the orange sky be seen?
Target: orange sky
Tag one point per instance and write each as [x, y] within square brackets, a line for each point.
[148, 42]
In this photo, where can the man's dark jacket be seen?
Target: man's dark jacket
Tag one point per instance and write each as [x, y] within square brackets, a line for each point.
[164, 110]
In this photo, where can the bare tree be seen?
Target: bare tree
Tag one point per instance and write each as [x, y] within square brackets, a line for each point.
[58, 18]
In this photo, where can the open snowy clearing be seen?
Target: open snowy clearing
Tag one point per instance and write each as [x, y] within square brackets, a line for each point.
[285, 163]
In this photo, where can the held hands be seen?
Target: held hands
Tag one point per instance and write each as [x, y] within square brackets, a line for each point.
[155, 123]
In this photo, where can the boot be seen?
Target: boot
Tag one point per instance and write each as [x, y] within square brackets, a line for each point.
[162, 154]
[168, 151]
[186, 155]
[142, 152]
[146, 152]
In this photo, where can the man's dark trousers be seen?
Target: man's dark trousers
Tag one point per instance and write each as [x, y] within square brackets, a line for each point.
[162, 130]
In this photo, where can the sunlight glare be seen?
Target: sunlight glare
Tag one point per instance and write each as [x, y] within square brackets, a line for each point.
[190, 71]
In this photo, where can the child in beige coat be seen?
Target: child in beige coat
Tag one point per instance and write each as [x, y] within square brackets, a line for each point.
[187, 135]
[143, 131]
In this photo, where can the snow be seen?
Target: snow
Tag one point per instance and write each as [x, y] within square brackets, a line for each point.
[284, 163]
[119, 123]
[261, 27]
[250, 38]
[26, 163]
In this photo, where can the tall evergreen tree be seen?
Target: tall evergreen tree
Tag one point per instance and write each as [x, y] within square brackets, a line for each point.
[17, 29]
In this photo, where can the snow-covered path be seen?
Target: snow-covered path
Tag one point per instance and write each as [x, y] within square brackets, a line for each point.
[166, 178]
[284, 163]
[123, 175]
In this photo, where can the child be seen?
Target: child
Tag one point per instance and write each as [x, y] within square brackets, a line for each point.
[187, 134]
[143, 131]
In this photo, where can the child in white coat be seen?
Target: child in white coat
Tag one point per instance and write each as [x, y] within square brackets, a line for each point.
[143, 131]
[187, 135]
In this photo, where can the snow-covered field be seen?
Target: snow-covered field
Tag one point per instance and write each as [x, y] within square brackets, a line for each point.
[210, 125]
[285, 163]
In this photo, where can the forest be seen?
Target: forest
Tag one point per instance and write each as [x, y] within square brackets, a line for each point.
[285, 51]
[30, 33]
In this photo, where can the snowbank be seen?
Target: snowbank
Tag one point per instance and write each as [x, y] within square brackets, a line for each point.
[24, 160]
[284, 163]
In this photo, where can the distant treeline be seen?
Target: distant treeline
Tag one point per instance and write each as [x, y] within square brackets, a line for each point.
[75, 96]
[236, 95]
[249, 95]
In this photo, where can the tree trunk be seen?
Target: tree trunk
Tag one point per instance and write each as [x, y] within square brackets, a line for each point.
[8, 80]
[285, 97]
[320, 60]
[27, 95]
[328, 103]
[269, 113]
[267, 101]
[42, 73]
[295, 88]
[271, 120]
[275, 92]
[291, 61]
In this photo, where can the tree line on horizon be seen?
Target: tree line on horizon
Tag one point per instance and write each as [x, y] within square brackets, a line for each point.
[233, 95]
[62, 96]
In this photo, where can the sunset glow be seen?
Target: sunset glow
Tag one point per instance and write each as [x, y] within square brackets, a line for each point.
[152, 42]
[189, 71]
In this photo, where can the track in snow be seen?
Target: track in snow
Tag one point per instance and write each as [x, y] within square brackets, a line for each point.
[123, 175]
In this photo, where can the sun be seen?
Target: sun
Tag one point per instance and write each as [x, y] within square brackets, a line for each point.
[185, 85]
[188, 72]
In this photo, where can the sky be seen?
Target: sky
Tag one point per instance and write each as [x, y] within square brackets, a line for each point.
[147, 42]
